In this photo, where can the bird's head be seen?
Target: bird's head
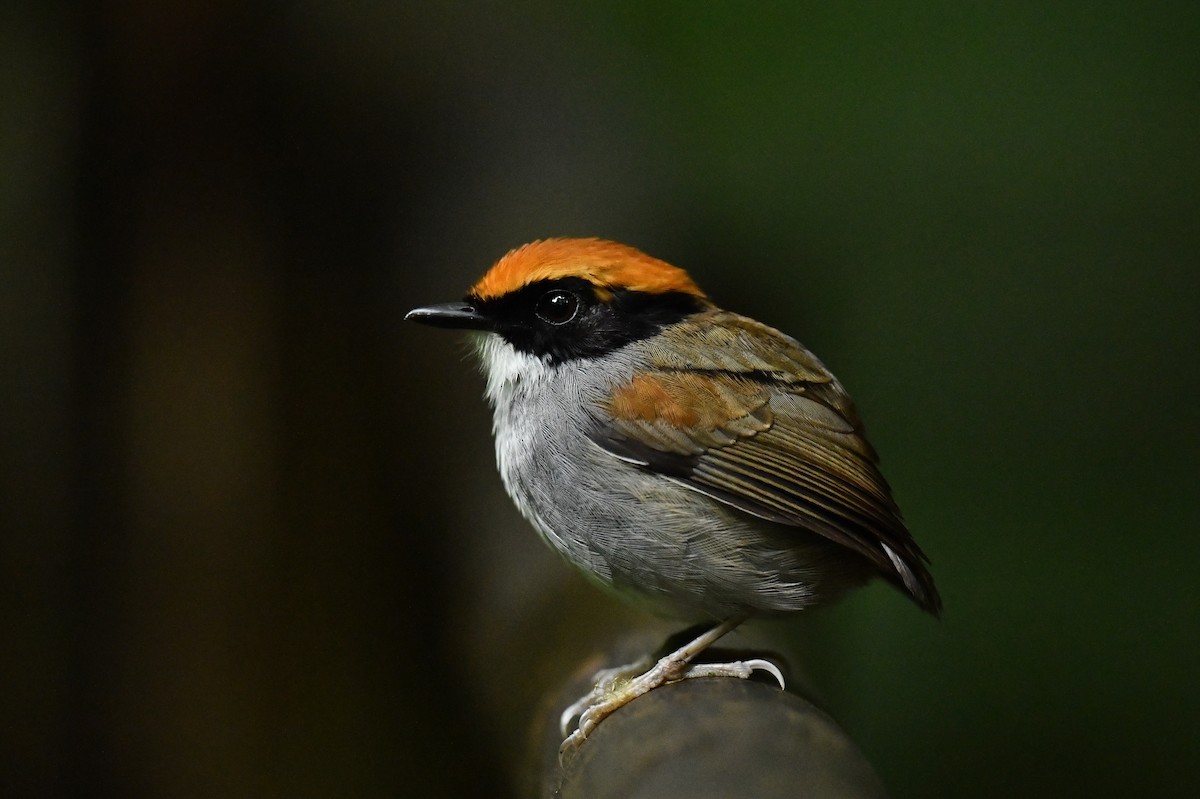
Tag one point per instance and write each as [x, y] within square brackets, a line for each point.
[561, 299]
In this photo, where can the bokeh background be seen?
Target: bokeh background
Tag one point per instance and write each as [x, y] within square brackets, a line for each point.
[252, 540]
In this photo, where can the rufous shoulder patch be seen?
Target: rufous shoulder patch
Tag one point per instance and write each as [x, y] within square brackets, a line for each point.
[607, 265]
[690, 400]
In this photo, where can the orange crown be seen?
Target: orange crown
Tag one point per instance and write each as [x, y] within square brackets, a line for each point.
[606, 265]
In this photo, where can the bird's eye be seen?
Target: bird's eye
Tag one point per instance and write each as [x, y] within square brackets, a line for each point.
[557, 307]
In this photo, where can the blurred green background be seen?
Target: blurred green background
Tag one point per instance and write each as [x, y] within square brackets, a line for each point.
[252, 540]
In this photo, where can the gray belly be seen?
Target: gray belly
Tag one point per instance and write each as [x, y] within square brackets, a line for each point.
[656, 541]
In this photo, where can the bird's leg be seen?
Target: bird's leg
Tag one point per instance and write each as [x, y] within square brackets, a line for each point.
[607, 681]
[618, 687]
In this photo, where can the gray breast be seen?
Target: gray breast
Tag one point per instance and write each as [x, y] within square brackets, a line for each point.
[641, 534]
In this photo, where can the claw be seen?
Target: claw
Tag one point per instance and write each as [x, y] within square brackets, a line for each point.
[564, 721]
[770, 668]
[588, 721]
[577, 709]
[741, 669]
[568, 746]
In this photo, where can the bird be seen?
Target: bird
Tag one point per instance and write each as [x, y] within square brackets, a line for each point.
[689, 458]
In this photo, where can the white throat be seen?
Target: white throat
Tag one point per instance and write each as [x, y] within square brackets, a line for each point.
[508, 371]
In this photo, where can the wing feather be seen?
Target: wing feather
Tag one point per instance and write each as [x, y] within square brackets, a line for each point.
[743, 413]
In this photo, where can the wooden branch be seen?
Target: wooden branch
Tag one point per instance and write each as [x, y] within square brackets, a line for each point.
[719, 737]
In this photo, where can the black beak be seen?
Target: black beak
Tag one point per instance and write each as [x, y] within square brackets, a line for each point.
[452, 314]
